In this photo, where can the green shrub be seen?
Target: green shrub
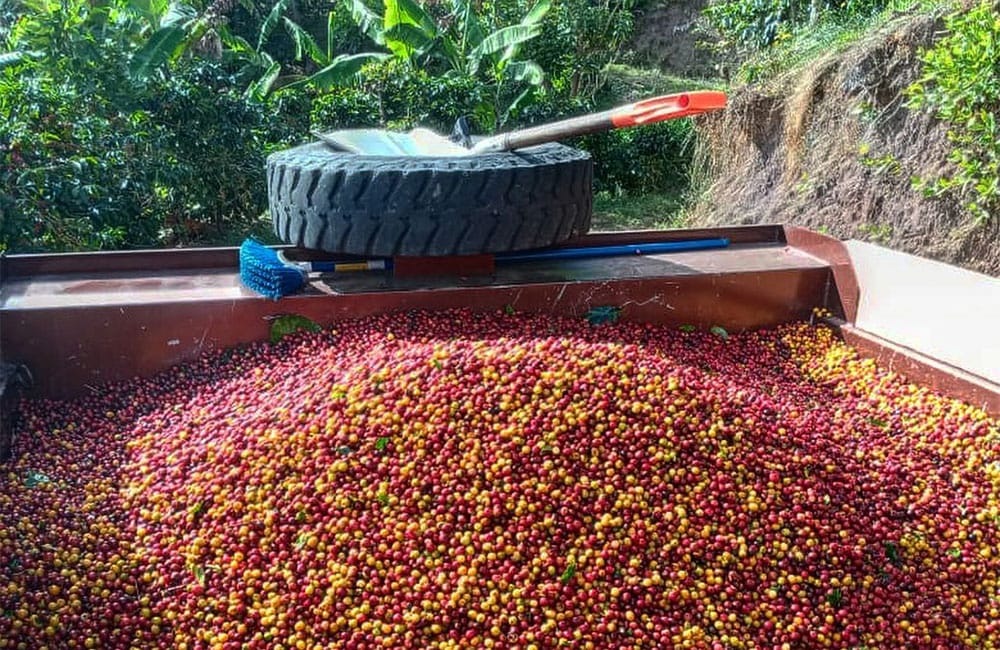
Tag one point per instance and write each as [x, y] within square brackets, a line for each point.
[92, 159]
[961, 84]
[579, 40]
[460, 47]
[94, 155]
[746, 26]
[211, 150]
[646, 159]
[392, 94]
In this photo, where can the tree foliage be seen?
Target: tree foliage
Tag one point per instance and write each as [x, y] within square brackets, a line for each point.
[960, 82]
[462, 45]
[135, 123]
[746, 26]
[93, 157]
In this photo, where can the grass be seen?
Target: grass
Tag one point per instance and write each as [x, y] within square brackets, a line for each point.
[631, 84]
[830, 35]
[643, 212]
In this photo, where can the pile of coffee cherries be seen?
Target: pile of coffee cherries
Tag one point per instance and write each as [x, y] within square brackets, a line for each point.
[468, 480]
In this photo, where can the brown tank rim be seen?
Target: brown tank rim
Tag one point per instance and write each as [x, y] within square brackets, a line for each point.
[921, 369]
[19, 265]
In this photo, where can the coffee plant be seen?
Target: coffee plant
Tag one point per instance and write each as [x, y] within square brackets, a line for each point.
[137, 123]
[961, 84]
[746, 26]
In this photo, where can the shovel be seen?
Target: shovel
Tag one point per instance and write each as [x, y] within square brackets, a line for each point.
[424, 142]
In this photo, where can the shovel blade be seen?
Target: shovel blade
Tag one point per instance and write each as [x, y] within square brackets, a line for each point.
[377, 142]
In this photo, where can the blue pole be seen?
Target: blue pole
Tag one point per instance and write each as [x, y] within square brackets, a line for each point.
[610, 251]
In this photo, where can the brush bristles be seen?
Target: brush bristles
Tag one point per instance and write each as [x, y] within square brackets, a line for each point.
[262, 271]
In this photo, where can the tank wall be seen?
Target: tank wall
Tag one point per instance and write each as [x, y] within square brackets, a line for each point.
[942, 311]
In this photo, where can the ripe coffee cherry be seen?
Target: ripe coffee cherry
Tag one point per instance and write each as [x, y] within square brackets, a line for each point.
[456, 480]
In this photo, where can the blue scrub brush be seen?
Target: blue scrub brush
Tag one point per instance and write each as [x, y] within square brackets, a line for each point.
[271, 274]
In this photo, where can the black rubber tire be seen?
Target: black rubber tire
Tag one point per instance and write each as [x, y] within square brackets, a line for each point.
[386, 206]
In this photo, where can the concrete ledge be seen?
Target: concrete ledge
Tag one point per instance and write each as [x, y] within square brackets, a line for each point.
[947, 313]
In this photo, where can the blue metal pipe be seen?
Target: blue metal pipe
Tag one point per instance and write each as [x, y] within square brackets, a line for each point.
[610, 251]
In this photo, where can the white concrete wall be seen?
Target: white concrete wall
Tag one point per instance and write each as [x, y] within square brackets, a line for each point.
[947, 313]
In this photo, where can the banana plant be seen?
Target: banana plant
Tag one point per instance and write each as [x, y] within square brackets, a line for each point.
[173, 27]
[257, 63]
[333, 70]
[176, 25]
[465, 48]
[411, 33]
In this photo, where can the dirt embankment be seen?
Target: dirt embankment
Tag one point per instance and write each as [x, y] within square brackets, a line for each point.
[833, 147]
[668, 37]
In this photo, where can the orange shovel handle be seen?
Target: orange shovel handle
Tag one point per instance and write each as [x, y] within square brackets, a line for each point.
[647, 111]
[669, 107]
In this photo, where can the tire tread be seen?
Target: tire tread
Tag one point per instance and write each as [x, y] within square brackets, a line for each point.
[344, 203]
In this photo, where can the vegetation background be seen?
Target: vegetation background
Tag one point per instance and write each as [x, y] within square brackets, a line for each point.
[137, 123]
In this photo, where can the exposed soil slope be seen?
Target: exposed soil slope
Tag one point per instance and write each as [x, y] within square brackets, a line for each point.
[834, 148]
[666, 35]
